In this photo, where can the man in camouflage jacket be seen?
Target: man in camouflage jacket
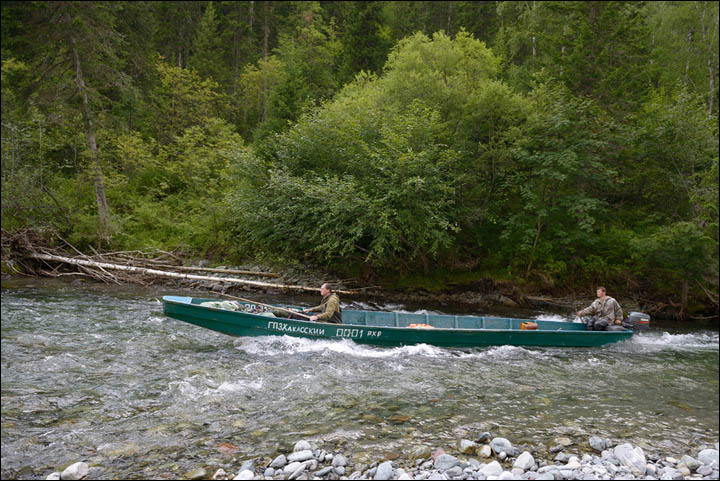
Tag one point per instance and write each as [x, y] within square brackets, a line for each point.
[605, 311]
[330, 307]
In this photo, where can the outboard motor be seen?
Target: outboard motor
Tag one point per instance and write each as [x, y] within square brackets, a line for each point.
[637, 321]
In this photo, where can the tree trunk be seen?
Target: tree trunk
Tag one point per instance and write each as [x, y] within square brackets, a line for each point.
[266, 29]
[251, 20]
[687, 58]
[266, 36]
[103, 211]
[684, 297]
[711, 59]
[176, 275]
[535, 243]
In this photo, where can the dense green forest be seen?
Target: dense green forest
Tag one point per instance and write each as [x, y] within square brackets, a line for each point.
[548, 143]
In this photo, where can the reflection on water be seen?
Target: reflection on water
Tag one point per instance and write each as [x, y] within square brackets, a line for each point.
[99, 374]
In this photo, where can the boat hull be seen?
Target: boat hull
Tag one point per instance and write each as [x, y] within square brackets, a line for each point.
[238, 323]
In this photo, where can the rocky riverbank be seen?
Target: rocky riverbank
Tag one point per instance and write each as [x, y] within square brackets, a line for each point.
[486, 457]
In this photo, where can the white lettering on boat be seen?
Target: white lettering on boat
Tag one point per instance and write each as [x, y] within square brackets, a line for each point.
[356, 333]
[283, 327]
[351, 333]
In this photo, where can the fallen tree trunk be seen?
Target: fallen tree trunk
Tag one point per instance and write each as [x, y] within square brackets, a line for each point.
[177, 275]
[225, 271]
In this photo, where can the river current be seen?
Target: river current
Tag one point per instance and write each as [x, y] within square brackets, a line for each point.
[98, 374]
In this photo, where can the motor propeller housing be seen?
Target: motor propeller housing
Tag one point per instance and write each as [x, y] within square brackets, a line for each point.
[637, 321]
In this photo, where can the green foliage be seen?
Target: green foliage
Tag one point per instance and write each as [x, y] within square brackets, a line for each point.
[365, 40]
[257, 84]
[441, 71]
[674, 159]
[685, 41]
[559, 142]
[559, 176]
[678, 252]
[597, 49]
[181, 99]
[206, 58]
[392, 205]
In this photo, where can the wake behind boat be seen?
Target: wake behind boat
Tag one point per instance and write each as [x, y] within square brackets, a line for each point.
[395, 328]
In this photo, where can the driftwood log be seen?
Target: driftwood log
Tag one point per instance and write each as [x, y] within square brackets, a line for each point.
[104, 266]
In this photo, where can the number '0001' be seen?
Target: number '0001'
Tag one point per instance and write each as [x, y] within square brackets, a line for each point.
[352, 333]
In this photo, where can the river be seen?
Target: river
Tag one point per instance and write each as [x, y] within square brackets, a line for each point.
[97, 373]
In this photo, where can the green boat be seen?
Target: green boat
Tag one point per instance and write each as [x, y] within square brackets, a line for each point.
[394, 328]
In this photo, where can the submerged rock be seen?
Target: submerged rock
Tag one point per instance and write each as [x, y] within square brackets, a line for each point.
[445, 462]
[197, 473]
[598, 444]
[302, 446]
[421, 452]
[467, 447]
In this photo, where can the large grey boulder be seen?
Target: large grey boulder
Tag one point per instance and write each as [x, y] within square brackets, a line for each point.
[502, 445]
[384, 471]
[708, 456]
[75, 471]
[303, 455]
[525, 461]
[633, 458]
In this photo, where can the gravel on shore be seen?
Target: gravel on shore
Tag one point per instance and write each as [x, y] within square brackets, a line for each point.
[485, 458]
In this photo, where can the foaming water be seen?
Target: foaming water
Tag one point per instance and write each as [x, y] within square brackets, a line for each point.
[704, 340]
[102, 376]
[276, 345]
